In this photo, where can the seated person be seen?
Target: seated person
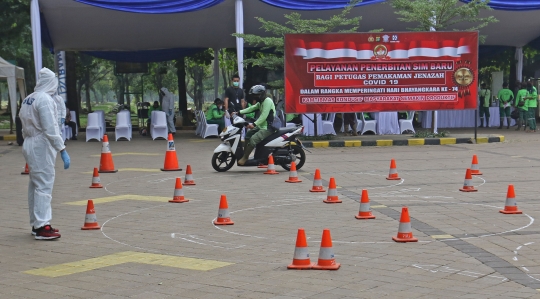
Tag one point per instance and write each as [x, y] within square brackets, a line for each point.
[250, 117]
[154, 107]
[367, 116]
[402, 115]
[215, 113]
[293, 118]
[71, 124]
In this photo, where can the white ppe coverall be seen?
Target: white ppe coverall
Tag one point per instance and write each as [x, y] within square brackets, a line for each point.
[61, 107]
[42, 141]
[168, 107]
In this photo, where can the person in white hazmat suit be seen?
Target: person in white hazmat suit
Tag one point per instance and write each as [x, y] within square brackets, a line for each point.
[167, 106]
[42, 141]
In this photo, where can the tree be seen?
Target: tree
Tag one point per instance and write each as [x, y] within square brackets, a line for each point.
[294, 24]
[441, 15]
[198, 69]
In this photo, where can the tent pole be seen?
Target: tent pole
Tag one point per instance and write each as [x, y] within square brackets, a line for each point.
[36, 35]
[519, 64]
[239, 15]
[216, 73]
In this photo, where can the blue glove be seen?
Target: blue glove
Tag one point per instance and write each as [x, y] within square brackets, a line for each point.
[65, 158]
[62, 121]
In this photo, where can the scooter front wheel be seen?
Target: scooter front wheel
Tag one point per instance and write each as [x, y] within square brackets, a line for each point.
[223, 161]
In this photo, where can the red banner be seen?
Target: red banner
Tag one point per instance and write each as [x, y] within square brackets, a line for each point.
[388, 71]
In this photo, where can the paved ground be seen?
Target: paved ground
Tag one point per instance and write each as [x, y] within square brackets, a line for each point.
[149, 248]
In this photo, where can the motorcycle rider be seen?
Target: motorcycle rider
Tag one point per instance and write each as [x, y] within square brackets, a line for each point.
[262, 127]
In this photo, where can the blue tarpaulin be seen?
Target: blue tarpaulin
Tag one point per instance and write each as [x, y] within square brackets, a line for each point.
[153, 6]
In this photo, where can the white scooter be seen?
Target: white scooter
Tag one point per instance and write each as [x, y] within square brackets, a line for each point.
[283, 145]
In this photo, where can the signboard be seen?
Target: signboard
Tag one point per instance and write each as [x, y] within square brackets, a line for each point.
[388, 71]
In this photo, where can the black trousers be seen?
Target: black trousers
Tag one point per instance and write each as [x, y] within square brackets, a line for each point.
[73, 126]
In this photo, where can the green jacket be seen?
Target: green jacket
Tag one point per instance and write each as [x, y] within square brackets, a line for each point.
[265, 108]
[290, 117]
[153, 109]
[522, 93]
[533, 101]
[505, 95]
[486, 93]
[250, 115]
[214, 113]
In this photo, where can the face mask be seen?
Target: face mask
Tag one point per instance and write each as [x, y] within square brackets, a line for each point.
[236, 84]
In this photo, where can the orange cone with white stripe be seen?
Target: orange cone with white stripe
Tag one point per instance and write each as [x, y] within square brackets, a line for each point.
[188, 180]
[393, 175]
[365, 212]
[317, 182]
[301, 259]
[405, 231]
[171, 161]
[475, 170]
[326, 254]
[223, 217]
[106, 164]
[271, 167]
[96, 182]
[467, 185]
[178, 192]
[510, 207]
[293, 174]
[332, 196]
[90, 221]
[26, 169]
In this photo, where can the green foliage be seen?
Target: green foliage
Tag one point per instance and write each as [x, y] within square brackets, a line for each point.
[294, 24]
[428, 134]
[443, 14]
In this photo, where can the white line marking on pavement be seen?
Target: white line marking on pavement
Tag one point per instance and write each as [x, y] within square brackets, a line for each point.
[445, 269]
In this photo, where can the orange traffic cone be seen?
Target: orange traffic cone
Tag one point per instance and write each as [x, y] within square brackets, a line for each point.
[317, 182]
[393, 175]
[293, 174]
[475, 170]
[467, 185]
[223, 217]
[510, 207]
[332, 193]
[171, 161]
[326, 254]
[405, 231]
[106, 165]
[271, 167]
[90, 221]
[301, 259]
[188, 180]
[365, 212]
[96, 182]
[178, 192]
[26, 170]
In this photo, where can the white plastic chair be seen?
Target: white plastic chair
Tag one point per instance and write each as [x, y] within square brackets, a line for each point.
[93, 128]
[158, 127]
[328, 125]
[102, 126]
[74, 119]
[123, 127]
[406, 124]
[368, 125]
[208, 129]
[199, 122]
[284, 120]
[66, 132]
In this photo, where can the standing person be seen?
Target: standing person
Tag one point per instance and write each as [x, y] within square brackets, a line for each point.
[349, 119]
[506, 97]
[234, 97]
[41, 143]
[168, 107]
[485, 97]
[532, 103]
[521, 105]
[215, 113]
[262, 127]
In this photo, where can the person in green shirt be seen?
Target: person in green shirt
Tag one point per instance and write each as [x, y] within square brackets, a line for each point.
[215, 113]
[485, 97]
[262, 127]
[505, 96]
[521, 105]
[532, 103]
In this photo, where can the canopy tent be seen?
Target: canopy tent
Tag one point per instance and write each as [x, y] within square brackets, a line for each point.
[15, 78]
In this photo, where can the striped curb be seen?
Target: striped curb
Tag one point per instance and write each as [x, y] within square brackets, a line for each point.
[400, 142]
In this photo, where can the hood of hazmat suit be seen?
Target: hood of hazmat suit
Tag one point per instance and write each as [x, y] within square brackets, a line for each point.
[42, 141]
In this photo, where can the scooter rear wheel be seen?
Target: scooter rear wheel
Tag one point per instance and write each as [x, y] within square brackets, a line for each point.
[223, 161]
[300, 154]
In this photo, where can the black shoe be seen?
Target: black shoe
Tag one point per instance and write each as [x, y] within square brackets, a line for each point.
[34, 230]
[74, 138]
[46, 233]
